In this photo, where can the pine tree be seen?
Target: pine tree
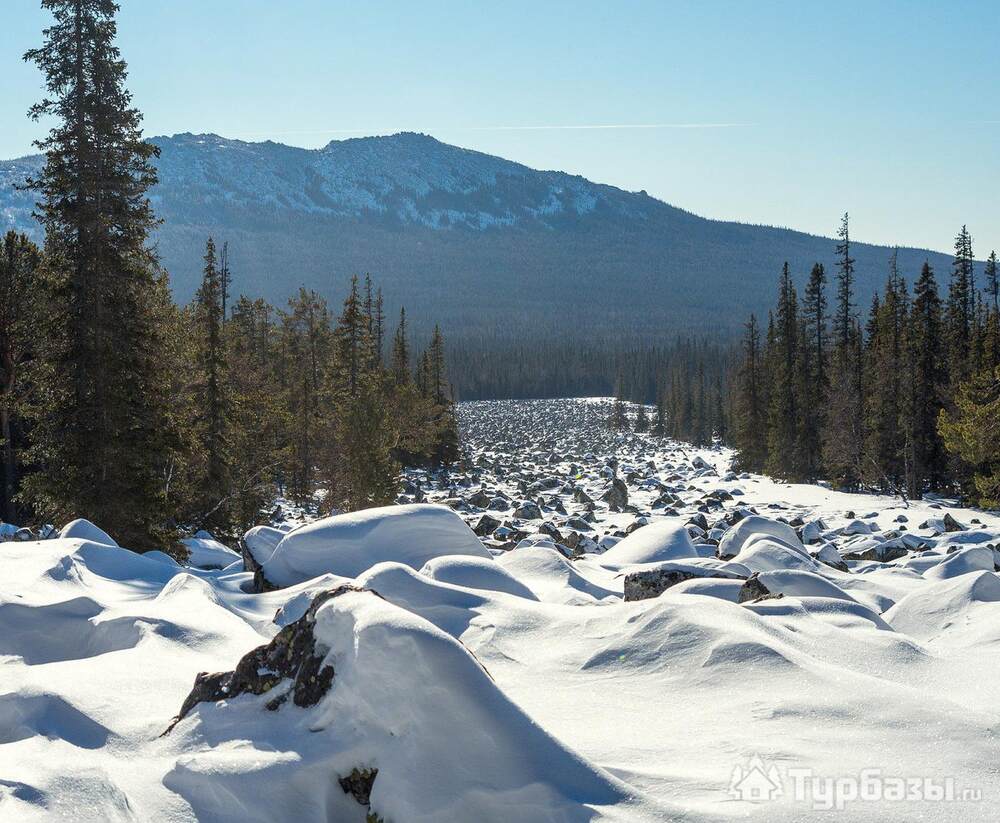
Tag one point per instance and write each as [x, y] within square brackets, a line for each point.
[259, 422]
[814, 377]
[923, 388]
[660, 423]
[19, 264]
[101, 430]
[844, 317]
[642, 419]
[972, 432]
[619, 420]
[883, 462]
[211, 401]
[446, 441]
[400, 362]
[842, 432]
[783, 440]
[960, 312]
[308, 346]
[750, 424]
[992, 281]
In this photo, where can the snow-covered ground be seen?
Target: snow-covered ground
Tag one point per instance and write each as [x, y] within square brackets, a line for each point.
[510, 680]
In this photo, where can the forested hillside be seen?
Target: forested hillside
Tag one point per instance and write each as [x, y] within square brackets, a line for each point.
[491, 248]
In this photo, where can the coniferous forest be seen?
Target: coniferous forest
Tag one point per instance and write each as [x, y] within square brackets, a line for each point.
[151, 417]
[903, 398]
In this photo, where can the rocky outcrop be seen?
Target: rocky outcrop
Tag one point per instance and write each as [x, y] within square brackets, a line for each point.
[291, 656]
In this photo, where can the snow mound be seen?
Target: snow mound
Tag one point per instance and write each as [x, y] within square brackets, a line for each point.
[958, 611]
[458, 751]
[208, 553]
[348, 544]
[666, 540]
[736, 536]
[261, 541]
[85, 530]
[798, 583]
[554, 579]
[763, 553]
[476, 573]
[965, 561]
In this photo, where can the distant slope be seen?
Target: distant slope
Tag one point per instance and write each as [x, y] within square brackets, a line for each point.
[486, 246]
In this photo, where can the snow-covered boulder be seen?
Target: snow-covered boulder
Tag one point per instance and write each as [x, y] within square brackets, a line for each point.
[961, 562]
[763, 553]
[958, 611]
[348, 544]
[736, 536]
[347, 689]
[81, 529]
[260, 543]
[208, 553]
[791, 583]
[646, 583]
[665, 540]
[475, 573]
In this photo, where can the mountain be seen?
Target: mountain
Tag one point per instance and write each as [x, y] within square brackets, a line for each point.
[488, 247]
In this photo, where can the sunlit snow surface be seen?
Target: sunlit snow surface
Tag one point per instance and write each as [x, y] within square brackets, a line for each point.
[522, 687]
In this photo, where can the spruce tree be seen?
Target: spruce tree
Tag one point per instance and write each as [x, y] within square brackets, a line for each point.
[783, 440]
[972, 432]
[211, 401]
[992, 282]
[642, 420]
[924, 388]
[960, 312]
[660, 423]
[750, 424]
[400, 361]
[842, 432]
[259, 426]
[814, 371]
[308, 347]
[883, 462]
[19, 264]
[101, 433]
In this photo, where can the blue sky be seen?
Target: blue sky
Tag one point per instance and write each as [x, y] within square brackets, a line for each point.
[800, 110]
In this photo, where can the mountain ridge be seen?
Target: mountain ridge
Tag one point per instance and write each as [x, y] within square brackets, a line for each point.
[485, 245]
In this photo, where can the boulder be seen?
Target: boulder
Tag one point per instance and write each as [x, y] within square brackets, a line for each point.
[616, 494]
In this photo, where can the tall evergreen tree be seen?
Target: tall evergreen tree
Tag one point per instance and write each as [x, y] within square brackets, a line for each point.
[923, 388]
[992, 281]
[814, 371]
[972, 431]
[842, 432]
[211, 400]
[960, 312]
[883, 463]
[750, 425]
[101, 429]
[783, 441]
[19, 264]
[400, 361]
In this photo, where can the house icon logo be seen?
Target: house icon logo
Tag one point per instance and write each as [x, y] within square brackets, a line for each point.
[755, 781]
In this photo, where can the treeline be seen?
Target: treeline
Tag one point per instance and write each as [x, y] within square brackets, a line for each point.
[905, 402]
[688, 374]
[121, 407]
[689, 386]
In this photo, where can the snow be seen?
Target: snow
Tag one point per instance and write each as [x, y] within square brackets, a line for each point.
[206, 552]
[348, 544]
[667, 540]
[501, 680]
[85, 530]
